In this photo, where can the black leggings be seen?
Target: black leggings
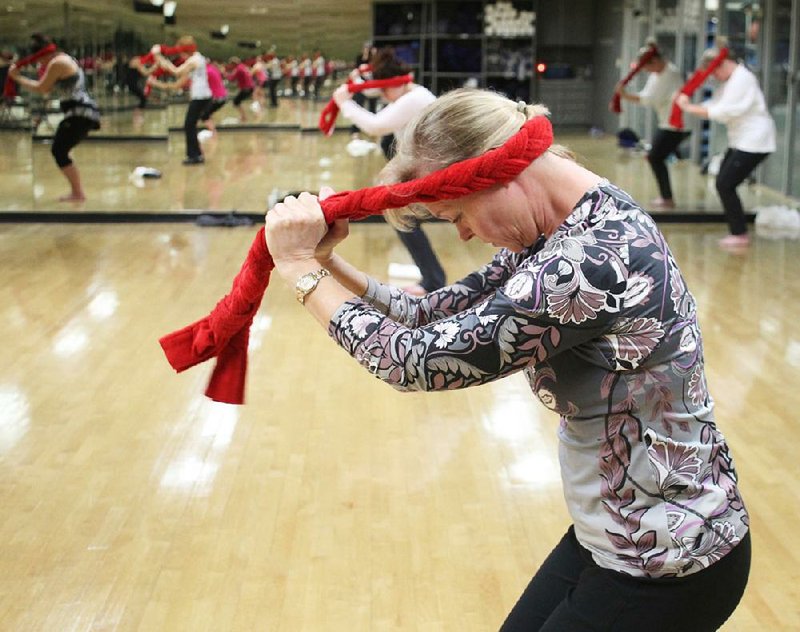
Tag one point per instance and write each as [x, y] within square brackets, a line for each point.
[243, 95]
[213, 106]
[193, 113]
[71, 131]
[664, 143]
[735, 167]
[571, 593]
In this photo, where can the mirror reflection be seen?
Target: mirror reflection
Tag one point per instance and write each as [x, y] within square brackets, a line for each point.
[256, 77]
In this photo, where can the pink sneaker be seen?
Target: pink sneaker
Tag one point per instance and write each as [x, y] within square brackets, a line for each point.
[660, 202]
[735, 241]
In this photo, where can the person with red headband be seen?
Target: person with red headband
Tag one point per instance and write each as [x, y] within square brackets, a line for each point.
[65, 79]
[404, 102]
[586, 300]
[193, 68]
[662, 83]
[739, 104]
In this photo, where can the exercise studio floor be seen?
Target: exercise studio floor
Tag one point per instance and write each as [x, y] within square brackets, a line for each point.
[329, 501]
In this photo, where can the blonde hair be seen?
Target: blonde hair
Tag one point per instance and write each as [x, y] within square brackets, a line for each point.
[185, 40]
[461, 124]
[710, 54]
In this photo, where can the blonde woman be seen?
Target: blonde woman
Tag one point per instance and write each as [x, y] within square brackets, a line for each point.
[586, 300]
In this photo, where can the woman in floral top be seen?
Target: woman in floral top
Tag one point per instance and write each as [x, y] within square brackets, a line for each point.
[585, 297]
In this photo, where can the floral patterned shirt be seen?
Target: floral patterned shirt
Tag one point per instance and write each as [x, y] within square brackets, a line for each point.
[600, 320]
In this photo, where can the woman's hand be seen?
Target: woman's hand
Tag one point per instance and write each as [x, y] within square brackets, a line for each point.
[13, 71]
[342, 94]
[294, 229]
[335, 235]
[682, 101]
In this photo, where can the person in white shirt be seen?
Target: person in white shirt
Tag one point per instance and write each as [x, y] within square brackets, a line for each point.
[405, 102]
[658, 92]
[194, 68]
[739, 104]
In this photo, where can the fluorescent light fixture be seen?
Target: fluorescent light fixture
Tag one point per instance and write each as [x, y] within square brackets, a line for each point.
[169, 8]
[224, 29]
[157, 3]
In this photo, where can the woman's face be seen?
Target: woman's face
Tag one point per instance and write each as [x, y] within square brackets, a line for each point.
[499, 216]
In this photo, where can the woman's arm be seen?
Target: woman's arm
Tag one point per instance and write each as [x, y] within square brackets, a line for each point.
[176, 86]
[388, 120]
[179, 71]
[685, 104]
[59, 67]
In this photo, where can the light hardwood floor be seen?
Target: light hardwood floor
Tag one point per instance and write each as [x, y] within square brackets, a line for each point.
[328, 501]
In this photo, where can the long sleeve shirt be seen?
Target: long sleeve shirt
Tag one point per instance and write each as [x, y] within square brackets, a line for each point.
[658, 93]
[739, 104]
[599, 319]
[392, 118]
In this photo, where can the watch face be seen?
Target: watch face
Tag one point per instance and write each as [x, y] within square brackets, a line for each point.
[305, 283]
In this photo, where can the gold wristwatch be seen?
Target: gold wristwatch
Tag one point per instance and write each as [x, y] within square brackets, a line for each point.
[308, 283]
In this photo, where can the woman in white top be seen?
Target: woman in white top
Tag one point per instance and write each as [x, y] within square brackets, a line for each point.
[405, 102]
[195, 68]
[739, 104]
[659, 90]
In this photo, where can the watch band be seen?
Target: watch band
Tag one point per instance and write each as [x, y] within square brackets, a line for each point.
[308, 283]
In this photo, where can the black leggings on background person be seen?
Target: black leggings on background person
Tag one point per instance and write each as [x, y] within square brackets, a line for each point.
[242, 95]
[196, 109]
[571, 592]
[665, 143]
[416, 241]
[71, 131]
[735, 167]
[213, 106]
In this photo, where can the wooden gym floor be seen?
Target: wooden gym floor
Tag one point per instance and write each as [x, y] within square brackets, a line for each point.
[329, 501]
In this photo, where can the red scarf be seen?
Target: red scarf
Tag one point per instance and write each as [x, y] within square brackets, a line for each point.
[327, 118]
[616, 100]
[695, 81]
[10, 88]
[225, 332]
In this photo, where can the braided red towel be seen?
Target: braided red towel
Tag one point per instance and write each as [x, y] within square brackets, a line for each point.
[225, 332]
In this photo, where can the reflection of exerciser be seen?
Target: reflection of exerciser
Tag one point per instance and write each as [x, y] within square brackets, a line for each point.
[10, 88]
[166, 51]
[616, 100]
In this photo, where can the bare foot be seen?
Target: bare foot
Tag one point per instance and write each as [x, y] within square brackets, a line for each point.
[72, 197]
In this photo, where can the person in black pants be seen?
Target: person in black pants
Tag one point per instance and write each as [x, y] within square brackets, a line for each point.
[739, 104]
[65, 79]
[134, 72]
[403, 103]
[663, 82]
[195, 68]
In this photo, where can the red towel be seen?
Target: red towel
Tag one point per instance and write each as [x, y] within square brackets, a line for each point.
[616, 100]
[695, 81]
[10, 87]
[225, 332]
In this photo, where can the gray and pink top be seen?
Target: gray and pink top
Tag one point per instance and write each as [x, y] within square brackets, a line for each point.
[599, 319]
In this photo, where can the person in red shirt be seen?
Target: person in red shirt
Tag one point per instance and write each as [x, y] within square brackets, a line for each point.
[240, 75]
